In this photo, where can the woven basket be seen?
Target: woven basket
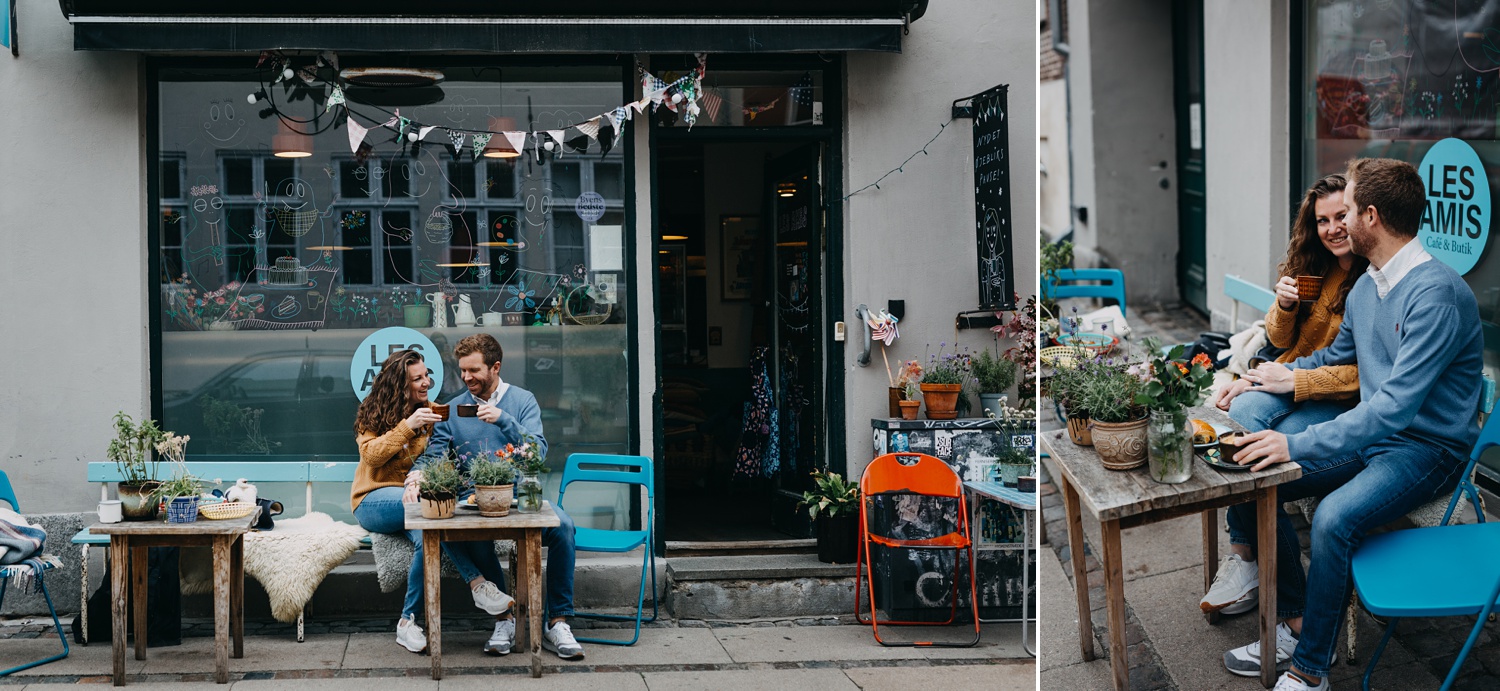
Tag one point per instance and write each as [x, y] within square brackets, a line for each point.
[1061, 356]
[223, 510]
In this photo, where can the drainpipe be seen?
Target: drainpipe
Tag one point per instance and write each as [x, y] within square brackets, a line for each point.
[1054, 15]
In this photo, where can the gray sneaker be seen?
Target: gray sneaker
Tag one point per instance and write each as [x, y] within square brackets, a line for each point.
[1245, 660]
[558, 638]
[502, 639]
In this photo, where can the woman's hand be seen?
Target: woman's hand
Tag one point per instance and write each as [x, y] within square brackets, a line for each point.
[412, 480]
[422, 417]
[1229, 391]
[1286, 292]
[1273, 377]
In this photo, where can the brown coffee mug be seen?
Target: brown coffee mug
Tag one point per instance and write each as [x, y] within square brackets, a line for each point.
[440, 409]
[1229, 445]
[467, 410]
[1309, 288]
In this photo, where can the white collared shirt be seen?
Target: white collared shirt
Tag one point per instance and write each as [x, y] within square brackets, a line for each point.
[1401, 263]
[500, 388]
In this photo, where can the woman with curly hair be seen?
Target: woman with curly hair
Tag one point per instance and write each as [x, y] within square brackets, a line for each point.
[392, 428]
[1272, 396]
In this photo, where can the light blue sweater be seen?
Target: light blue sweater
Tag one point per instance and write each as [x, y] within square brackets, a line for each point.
[1420, 352]
[519, 415]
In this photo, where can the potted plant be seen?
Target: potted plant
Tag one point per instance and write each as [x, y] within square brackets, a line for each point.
[1171, 386]
[994, 376]
[131, 451]
[834, 508]
[493, 479]
[910, 401]
[1117, 422]
[1022, 329]
[438, 490]
[1065, 386]
[180, 494]
[942, 381]
[530, 464]
[1012, 462]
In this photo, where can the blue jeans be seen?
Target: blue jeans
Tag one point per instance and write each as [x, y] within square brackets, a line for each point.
[381, 511]
[1361, 491]
[1258, 410]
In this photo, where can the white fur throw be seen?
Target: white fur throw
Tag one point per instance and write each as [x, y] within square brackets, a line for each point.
[1244, 345]
[393, 553]
[289, 561]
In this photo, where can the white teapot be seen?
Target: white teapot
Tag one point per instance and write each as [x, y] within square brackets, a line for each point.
[463, 312]
[439, 309]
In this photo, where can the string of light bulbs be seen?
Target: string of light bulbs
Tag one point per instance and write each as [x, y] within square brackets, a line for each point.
[902, 168]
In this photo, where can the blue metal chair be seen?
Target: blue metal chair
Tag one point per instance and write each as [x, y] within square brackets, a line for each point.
[627, 470]
[9, 495]
[1444, 571]
[1108, 284]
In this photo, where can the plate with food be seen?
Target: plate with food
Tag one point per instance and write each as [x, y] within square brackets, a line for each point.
[1206, 435]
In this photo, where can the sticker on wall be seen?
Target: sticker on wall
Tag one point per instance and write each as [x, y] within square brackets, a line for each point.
[379, 345]
[1455, 227]
[589, 207]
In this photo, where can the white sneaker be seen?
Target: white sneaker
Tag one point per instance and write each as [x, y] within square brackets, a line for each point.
[489, 598]
[502, 639]
[1289, 682]
[1245, 660]
[1236, 587]
[559, 639]
[410, 636]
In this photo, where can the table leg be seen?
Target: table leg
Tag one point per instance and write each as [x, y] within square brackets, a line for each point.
[221, 608]
[138, 564]
[1114, 599]
[1210, 554]
[237, 595]
[536, 614]
[1080, 570]
[119, 579]
[432, 554]
[1265, 528]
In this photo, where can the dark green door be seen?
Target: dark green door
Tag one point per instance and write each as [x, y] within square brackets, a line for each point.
[1192, 217]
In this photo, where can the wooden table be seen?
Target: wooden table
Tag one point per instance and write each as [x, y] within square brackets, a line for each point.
[1125, 499]
[468, 526]
[1026, 502]
[127, 554]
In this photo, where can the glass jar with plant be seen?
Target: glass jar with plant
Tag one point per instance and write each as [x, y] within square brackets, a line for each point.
[438, 490]
[1172, 384]
[530, 464]
[131, 450]
[493, 479]
[942, 381]
[1013, 461]
[833, 505]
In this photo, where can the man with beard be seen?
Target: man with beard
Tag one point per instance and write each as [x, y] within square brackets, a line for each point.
[508, 415]
[1412, 324]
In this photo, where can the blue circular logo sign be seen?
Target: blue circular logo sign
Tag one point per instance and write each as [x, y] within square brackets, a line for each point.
[590, 206]
[1456, 225]
[378, 346]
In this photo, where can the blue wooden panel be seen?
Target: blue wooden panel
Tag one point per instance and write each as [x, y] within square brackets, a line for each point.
[1253, 295]
[215, 470]
[331, 471]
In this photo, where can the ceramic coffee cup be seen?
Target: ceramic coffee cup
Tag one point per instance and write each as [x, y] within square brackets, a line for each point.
[489, 319]
[109, 511]
[1309, 288]
[467, 410]
[1229, 445]
[440, 409]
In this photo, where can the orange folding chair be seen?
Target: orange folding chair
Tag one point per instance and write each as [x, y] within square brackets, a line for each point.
[909, 477]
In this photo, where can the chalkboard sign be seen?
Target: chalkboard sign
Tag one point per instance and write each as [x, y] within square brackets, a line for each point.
[992, 200]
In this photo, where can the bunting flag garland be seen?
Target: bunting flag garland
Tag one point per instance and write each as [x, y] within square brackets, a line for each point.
[356, 135]
[616, 120]
[590, 129]
[517, 141]
[334, 99]
[401, 129]
[752, 111]
[481, 141]
[308, 74]
[422, 133]
[458, 142]
[557, 136]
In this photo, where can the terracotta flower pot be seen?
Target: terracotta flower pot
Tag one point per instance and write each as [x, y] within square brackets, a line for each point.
[1078, 430]
[893, 401]
[941, 400]
[493, 500]
[1121, 445]
[441, 507]
[909, 409]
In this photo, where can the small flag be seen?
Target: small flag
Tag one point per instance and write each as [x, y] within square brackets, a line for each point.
[356, 135]
[802, 91]
[590, 128]
[712, 103]
[458, 142]
[481, 141]
[517, 141]
[334, 99]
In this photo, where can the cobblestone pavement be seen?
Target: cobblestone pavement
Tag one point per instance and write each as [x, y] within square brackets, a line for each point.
[1176, 650]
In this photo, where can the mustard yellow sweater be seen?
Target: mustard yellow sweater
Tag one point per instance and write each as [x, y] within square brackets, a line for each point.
[1313, 331]
[384, 460]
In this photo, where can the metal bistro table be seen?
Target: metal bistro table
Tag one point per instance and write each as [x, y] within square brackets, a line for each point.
[1026, 502]
[467, 526]
[127, 555]
[1126, 499]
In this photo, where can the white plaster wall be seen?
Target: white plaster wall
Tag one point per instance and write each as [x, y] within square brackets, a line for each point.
[1081, 89]
[1052, 143]
[1246, 139]
[913, 239]
[72, 200]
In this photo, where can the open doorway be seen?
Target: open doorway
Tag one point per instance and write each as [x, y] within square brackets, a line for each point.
[741, 271]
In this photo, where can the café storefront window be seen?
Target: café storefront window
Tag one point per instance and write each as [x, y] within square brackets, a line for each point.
[1413, 81]
[274, 269]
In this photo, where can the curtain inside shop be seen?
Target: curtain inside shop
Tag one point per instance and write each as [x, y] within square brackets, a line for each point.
[282, 279]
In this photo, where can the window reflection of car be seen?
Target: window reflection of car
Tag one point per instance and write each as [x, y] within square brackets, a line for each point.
[306, 401]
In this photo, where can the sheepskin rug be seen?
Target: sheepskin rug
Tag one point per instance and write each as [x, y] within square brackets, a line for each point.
[289, 561]
[393, 553]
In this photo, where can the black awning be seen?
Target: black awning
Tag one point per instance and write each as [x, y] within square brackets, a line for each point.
[474, 26]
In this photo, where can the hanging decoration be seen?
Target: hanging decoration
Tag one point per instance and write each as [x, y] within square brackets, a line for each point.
[481, 141]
